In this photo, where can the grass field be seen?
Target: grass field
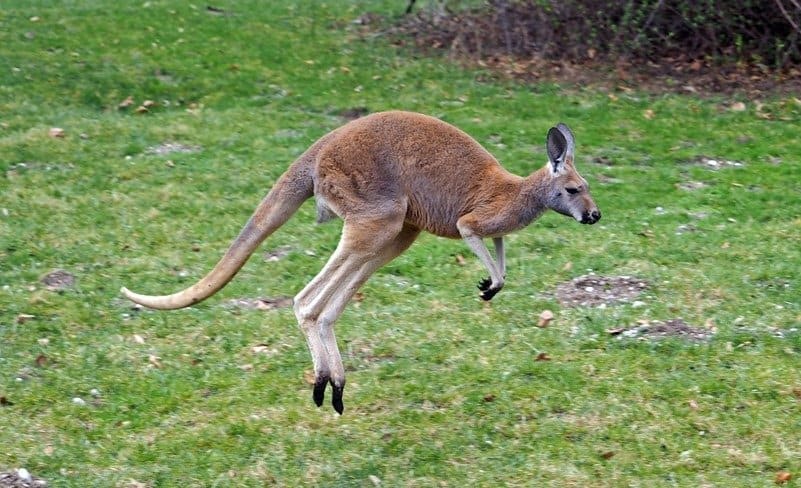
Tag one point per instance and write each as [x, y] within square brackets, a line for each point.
[443, 390]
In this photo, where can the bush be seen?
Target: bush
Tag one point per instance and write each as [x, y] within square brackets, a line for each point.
[754, 31]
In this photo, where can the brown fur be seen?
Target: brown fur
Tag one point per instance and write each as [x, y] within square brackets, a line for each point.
[390, 176]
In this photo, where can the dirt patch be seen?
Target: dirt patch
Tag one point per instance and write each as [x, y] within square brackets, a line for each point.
[593, 291]
[20, 478]
[273, 303]
[172, 148]
[58, 280]
[277, 254]
[353, 113]
[714, 164]
[657, 329]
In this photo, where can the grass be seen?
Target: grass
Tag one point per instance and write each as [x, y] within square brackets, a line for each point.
[443, 390]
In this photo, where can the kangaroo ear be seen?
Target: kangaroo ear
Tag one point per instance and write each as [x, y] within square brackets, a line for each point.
[557, 149]
[560, 144]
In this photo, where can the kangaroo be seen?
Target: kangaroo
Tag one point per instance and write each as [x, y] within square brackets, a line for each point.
[389, 176]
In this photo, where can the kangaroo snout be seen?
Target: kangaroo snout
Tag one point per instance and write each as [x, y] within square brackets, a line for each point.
[591, 217]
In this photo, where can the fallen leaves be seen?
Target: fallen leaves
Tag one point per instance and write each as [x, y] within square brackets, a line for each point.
[41, 360]
[738, 107]
[262, 304]
[543, 356]
[783, 477]
[143, 108]
[545, 318]
[154, 361]
[24, 317]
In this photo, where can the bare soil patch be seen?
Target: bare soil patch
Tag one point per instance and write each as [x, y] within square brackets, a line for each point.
[58, 280]
[593, 290]
[172, 148]
[20, 479]
[272, 303]
[657, 329]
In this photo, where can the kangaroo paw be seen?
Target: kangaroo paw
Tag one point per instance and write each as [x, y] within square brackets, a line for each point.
[484, 284]
[319, 390]
[336, 398]
[487, 294]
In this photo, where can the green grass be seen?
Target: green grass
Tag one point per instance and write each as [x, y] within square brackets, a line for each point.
[443, 390]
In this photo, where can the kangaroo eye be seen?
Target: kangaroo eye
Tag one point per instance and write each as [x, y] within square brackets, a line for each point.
[572, 191]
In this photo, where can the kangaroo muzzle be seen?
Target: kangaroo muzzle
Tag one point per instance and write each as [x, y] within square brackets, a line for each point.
[591, 217]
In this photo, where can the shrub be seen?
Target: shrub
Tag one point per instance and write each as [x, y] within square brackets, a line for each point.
[754, 31]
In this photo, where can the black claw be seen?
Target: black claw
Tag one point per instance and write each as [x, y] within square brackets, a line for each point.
[484, 284]
[336, 398]
[319, 390]
[487, 294]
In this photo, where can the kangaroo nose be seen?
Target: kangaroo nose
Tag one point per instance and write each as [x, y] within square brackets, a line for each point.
[591, 217]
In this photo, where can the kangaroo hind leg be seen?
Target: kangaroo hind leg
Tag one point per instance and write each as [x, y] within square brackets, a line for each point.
[366, 245]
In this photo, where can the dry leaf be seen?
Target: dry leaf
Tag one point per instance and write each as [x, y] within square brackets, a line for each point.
[608, 454]
[246, 367]
[783, 477]
[797, 392]
[4, 402]
[154, 361]
[375, 480]
[126, 103]
[568, 266]
[489, 397]
[148, 103]
[309, 377]
[737, 107]
[138, 339]
[542, 357]
[693, 404]
[57, 132]
[615, 331]
[460, 260]
[261, 348]
[648, 114]
[358, 297]
[545, 318]
[24, 317]
[41, 360]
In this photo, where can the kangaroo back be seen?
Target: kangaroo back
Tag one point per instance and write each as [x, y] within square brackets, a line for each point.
[290, 191]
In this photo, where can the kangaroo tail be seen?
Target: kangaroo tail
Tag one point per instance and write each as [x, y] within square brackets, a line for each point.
[289, 192]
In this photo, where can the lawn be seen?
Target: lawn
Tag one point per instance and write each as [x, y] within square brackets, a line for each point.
[135, 140]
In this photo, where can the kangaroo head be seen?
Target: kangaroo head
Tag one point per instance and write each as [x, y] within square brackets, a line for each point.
[568, 192]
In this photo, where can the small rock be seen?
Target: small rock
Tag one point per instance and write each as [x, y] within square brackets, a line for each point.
[94, 392]
[24, 475]
[79, 401]
[56, 132]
